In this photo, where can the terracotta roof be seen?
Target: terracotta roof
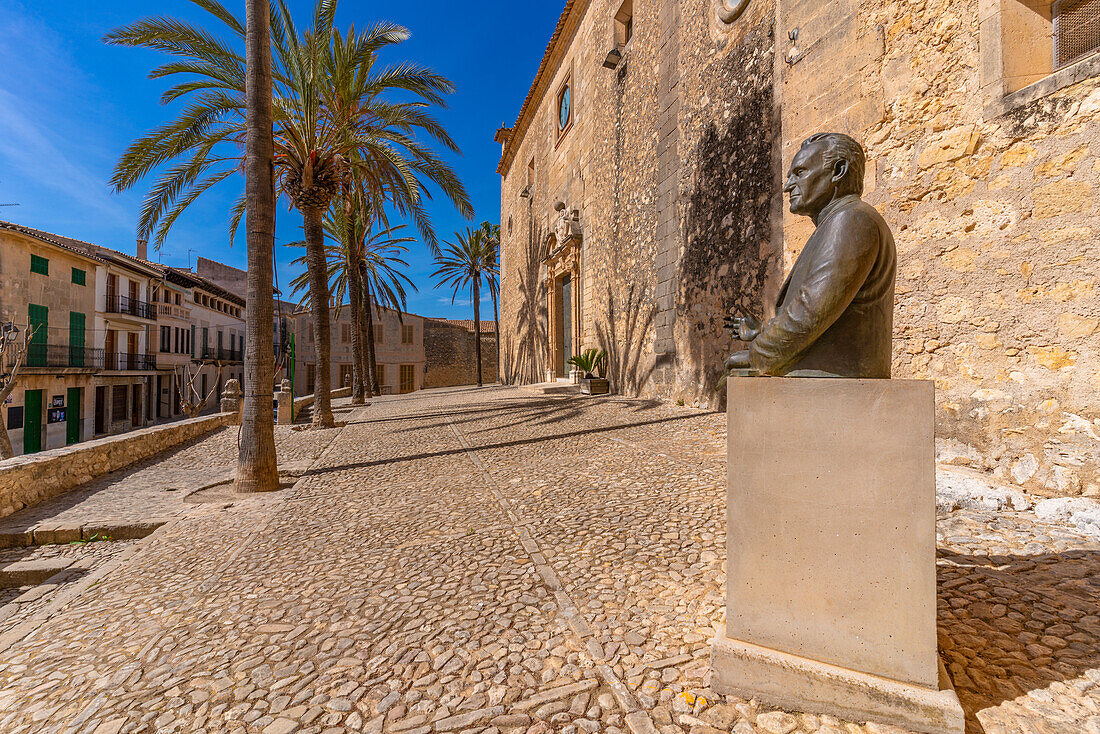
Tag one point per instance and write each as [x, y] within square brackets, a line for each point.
[85, 249]
[189, 279]
[525, 112]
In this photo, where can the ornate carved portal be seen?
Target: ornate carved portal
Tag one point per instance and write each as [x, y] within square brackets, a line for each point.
[562, 267]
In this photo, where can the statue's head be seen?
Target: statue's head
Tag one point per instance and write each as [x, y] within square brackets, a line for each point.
[828, 166]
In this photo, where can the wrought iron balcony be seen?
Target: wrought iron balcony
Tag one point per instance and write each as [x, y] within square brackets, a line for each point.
[63, 356]
[130, 306]
[124, 362]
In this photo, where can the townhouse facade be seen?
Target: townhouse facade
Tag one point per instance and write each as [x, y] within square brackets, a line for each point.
[399, 351]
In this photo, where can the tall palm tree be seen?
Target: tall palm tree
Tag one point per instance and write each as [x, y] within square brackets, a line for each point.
[319, 135]
[489, 234]
[257, 465]
[463, 265]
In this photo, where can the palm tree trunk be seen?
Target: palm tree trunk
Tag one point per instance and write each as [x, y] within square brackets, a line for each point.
[366, 336]
[257, 465]
[357, 397]
[496, 332]
[322, 326]
[371, 353]
[477, 329]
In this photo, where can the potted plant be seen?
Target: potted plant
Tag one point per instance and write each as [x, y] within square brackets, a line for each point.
[589, 363]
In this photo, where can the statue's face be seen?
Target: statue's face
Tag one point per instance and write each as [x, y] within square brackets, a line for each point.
[811, 184]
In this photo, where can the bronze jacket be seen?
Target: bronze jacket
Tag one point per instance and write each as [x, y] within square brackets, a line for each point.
[835, 312]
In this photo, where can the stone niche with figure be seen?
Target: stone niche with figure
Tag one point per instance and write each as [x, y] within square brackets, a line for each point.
[831, 524]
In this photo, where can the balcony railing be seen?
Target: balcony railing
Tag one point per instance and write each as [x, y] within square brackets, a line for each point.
[130, 306]
[169, 309]
[124, 362]
[61, 356]
[214, 354]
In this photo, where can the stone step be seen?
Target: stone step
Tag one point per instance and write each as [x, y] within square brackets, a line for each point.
[554, 388]
[50, 533]
[30, 573]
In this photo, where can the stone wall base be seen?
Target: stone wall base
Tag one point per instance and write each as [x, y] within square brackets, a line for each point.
[798, 684]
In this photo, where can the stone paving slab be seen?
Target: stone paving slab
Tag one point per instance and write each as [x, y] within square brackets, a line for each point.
[489, 561]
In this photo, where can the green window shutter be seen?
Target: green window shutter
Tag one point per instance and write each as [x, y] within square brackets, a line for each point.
[38, 319]
[76, 339]
[40, 265]
[80, 277]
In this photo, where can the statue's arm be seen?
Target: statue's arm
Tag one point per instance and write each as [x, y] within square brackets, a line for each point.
[838, 270]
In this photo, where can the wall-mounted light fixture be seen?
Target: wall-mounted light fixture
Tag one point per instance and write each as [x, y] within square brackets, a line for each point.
[614, 56]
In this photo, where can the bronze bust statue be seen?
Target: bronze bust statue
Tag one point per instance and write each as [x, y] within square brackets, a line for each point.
[835, 312]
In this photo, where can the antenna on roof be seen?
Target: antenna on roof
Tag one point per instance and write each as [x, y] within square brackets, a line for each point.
[9, 205]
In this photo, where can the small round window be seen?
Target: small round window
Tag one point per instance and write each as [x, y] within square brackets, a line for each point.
[563, 108]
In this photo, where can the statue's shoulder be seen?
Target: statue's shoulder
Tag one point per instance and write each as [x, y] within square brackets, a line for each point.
[856, 215]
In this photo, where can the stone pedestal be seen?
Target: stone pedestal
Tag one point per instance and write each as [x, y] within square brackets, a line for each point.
[232, 401]
[831, 551]
[284, 400]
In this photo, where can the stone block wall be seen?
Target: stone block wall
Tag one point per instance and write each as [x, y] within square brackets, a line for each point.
[671, 163]
[449, 350]
[27, 480]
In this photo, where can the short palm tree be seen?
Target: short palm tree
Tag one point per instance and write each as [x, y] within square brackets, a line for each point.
[463, 265]
[489, 234]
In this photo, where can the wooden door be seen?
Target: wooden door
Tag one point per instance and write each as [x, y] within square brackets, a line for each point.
[32, 421]
[72, 415]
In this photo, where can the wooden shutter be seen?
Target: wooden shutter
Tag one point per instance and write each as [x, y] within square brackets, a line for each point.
[76, 339]
[38, 318]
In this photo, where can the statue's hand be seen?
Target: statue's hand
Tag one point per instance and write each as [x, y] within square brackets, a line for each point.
[745, 328]
[738, 361]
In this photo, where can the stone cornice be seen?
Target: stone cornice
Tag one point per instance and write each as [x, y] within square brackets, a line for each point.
[555, 52]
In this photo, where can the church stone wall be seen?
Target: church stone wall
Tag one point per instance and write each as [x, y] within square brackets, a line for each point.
[676, 162]
[670, 164]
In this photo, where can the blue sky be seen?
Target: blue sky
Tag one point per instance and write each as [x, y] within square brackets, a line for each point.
[70, 104]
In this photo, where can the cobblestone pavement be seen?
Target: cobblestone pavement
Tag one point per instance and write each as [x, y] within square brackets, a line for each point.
[156, 488]
[490, 561]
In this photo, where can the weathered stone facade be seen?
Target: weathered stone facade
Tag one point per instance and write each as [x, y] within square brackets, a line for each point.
[674, 161]
[449, 350]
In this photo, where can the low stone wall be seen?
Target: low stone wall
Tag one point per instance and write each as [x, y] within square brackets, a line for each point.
[32, 478]
[307, 400]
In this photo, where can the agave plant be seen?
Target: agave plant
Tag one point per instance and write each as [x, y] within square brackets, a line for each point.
[588, 361]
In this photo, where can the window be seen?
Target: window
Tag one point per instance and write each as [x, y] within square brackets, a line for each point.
[408, 333]
[1033, 48]
[79, 277]
[565, 107]
[40, 265]
[76, 339]
[38, 318]
[624, 23]
[165, 338]
[345, 333]
[380, 373]
[1076, 30]
[408, 378]
[379, 332]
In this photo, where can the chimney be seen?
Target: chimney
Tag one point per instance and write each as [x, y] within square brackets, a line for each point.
[142, 248]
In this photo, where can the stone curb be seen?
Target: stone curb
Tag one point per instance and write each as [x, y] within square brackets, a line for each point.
[47, 533]
[31, 573]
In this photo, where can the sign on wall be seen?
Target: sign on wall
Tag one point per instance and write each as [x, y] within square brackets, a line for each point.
[57, 401]
[55, 415]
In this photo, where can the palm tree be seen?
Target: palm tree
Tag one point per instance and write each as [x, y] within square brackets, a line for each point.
[489, 234]
[379, 256]
[463, 264]
[257, 464]
[319, 135]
